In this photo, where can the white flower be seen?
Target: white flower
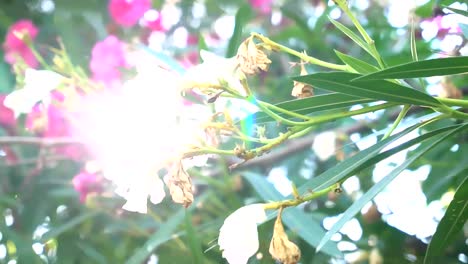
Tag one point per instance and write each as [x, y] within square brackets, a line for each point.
[213, 70]
[38, 85]
[238, 237]
[325, 145]
[139, 190]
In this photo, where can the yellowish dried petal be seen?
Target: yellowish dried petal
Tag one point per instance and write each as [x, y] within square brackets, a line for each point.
[302, 90]
[449, 90]
[281, 248]
[180, 185]
[251, 59]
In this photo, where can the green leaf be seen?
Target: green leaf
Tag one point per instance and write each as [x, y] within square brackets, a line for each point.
[348, 32]
[450, 225]
[194, 241]
[378, 187]
[56, 231]
[342, 82]
[414, 50]
[425, 11]
[243, 16]
[301, 223]
[348, 166]
[161, 236]
[314, 104]
[425, 68]
[301, 23]
[358, 65]
[458, 11]
[91, 252]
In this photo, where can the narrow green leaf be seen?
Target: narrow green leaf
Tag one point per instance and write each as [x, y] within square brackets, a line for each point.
[378, 187]
[450, 225]
[458, 11]
[425, 68]
[314, 104]
[414, 50]
[201, 45]
[92, 253]
[164, 234]
[342, 82]
[358, 65]
[242, 17]
[348, 166]
[302, 223]
[56, 231]
[348, 32]
[300, 29]
[407, 144]
[194, 241]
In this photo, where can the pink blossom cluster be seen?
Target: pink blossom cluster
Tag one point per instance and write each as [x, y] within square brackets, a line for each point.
[128, 12]
[86, 183]
[444, 28]
[15, 47]
[262, 6]
[107, 59]
[50, 121]
[7, 116]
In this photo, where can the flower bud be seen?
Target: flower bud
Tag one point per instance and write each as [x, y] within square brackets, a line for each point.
[281, 248]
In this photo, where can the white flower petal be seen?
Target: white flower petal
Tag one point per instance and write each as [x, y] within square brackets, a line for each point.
[324, 145]
[136, 202]
[238, 237]
[157, 192]
[213, 69]
[41, 79]
[37, 87]
[21, 101]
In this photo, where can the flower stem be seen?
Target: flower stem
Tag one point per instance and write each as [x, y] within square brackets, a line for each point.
[300, 199]
[284, 111]
[453, 102]
[400, 117]
[300, 55]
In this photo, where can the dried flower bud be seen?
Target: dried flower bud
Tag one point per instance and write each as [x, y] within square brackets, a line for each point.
[302, 90]
[281, 248]
[251, 59]
[449, 90]
[180, 185]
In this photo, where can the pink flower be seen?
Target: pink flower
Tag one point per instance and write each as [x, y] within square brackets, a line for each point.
[86, 183]
[51, 122]
[14, 45]
[127, 12]
[107, 57]
[442, 25]
[153, 20]
[262, 6]
[7, 116]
